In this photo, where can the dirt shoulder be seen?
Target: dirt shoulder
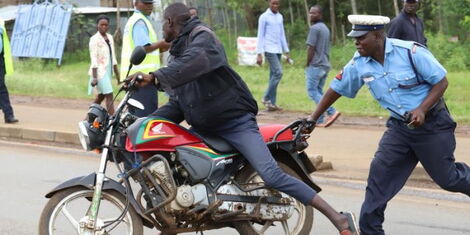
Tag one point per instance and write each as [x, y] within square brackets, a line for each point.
[263, 116]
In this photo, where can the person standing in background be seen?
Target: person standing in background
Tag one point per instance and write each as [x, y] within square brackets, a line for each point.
[318, 65]
[407, 25]
[6, 68]
[272, 42]
[139, 32]
[103, 60]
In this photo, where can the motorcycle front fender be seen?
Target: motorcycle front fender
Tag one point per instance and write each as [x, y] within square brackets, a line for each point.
[108, 184]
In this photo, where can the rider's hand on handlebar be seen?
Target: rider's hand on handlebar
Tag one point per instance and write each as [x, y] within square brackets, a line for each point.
[139, 79]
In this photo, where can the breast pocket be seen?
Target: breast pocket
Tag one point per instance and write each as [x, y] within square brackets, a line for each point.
[376, 86]
[406, 80]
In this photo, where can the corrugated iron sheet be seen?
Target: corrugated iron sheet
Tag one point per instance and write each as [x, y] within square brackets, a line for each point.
[41, 30]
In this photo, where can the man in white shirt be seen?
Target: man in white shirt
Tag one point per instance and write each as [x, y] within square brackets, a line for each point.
[272, 42]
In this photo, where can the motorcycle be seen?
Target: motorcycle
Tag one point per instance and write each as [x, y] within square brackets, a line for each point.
[184, 181]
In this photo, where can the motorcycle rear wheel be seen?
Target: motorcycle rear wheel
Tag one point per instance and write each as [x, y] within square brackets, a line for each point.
[302, 218]
[63, 212]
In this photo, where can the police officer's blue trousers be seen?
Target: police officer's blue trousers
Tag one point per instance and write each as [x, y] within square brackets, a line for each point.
[243, 134]
[399, 151]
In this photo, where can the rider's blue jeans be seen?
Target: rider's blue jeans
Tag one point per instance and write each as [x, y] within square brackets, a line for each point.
[244, 135]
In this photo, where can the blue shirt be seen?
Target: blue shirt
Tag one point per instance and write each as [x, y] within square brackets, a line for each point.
[392, 84]
[271, 35]
[140, 33]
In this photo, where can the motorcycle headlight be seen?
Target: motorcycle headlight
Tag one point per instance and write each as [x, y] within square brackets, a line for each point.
[90, 137]
[83, 135]
[91, 132]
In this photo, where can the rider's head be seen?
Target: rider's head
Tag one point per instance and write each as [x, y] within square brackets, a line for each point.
[174, 16]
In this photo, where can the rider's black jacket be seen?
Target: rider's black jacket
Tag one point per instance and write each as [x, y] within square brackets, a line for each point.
[203, 88]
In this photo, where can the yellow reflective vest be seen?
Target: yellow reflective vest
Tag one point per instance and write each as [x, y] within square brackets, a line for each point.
[6, 50]
[152, 60]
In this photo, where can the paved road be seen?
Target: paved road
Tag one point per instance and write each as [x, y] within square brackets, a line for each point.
[28, 173]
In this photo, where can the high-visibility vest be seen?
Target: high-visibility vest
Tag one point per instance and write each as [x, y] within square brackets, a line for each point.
[152, 59]
[6, 50]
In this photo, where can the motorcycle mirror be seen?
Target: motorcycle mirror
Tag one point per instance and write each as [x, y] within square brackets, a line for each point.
[138, 55]
[136, 104]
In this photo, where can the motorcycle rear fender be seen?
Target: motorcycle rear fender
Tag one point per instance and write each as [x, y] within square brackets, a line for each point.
[294, 161]
[109, 184]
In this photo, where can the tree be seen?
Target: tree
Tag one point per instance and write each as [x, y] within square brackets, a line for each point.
[353, 7]
[395, 6]
[333, 21]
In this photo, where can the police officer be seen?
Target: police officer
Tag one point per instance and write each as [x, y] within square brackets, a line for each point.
[139, 32]
[6, 67]
[406, 79]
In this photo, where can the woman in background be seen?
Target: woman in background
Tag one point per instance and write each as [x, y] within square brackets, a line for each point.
[103, 59]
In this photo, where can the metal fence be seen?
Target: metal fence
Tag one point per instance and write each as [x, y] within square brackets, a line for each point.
[41, 29]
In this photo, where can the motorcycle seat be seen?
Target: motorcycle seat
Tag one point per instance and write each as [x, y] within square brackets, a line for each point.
[217, 144]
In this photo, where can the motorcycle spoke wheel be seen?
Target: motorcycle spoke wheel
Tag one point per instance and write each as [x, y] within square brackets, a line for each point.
[68, 209]
[69, 217]
[299, 222]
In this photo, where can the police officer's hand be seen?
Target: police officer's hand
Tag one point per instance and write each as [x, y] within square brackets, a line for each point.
[259, 60]
[309, 125]
[418, 116]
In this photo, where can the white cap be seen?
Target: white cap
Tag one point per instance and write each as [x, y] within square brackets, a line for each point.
[362, 24]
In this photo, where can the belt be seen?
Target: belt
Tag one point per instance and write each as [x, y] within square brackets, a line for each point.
[441, 104]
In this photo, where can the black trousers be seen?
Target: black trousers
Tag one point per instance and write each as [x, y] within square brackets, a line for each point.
[399, 151]
[4, 97]
[148, 96]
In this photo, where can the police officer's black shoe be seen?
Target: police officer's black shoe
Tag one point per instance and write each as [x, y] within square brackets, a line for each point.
[11, 120]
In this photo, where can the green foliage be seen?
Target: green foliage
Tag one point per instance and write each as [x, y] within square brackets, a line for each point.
[453, 56]
[80, 28]
[296, 34]
[341, 54]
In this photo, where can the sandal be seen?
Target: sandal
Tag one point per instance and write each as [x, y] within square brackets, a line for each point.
[352, 225]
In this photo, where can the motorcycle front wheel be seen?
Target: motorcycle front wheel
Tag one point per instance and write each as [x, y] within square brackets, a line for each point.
[300, 222]
[67, 209]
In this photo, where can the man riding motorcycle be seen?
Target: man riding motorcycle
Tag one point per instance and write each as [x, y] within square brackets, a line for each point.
[213, 99]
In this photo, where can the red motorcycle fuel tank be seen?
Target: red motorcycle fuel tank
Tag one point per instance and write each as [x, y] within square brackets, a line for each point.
[157, 134]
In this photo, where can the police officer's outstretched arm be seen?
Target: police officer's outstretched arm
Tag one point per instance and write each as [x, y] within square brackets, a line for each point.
[327, 100]
[437, 91]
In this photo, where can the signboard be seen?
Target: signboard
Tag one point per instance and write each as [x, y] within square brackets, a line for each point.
[247, 50]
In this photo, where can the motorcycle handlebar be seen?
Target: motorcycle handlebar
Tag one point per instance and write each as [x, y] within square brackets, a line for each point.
[301, 124]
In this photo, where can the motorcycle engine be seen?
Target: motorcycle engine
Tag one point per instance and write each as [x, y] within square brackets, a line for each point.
[161, 175]
[186, 195]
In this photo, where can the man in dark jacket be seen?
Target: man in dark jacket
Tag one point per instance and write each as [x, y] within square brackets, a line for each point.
[211, 97]
[407, 26]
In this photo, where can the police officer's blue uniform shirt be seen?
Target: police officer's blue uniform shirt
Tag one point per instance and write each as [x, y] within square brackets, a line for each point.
[393, 84]
[140, 33]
